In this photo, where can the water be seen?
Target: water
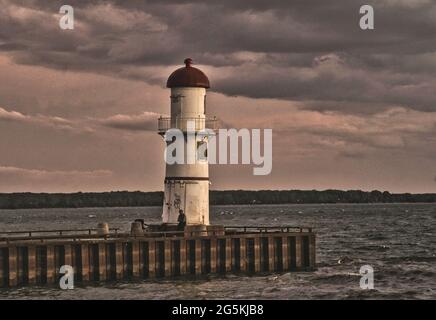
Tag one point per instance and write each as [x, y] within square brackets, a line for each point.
[397, 240]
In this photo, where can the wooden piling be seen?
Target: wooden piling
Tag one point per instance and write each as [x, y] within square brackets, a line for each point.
[220, 254]
[102, 270]
[198, 257]
[84, 252]
[136, 258]
[31, 275]
[160, 259]
[228, 254]
[127, 259]
[205, 256]
[291, 253]
[68, 252]
[119, 261]
[285, 254]
[51, 274]
[76, 255]
[183, 269]
[175, 257]
[312, 250]
[213, 255]
[305, 247]
[94, 272]
[271, 265]
[257, 254]
[41, 264]
[167, 253]
[2, 267]
[21, 265]
[243, 255]
[57, 260]
[110, 261]
[152, 259]
[143, 256]
[298, 252]
[13, 270]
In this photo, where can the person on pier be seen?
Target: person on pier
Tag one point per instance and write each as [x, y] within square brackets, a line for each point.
[181, 220]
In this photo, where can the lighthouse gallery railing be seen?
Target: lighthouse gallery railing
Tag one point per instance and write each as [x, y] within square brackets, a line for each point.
[165, 124]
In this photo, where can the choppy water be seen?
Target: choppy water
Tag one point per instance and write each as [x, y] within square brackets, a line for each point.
[397, 240]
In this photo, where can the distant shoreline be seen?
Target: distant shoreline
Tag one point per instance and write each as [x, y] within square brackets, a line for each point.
[227, 197]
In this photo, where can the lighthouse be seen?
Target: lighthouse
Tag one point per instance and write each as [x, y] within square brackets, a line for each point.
[186, 185]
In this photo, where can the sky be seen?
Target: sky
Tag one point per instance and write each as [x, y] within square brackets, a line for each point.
[349, 108]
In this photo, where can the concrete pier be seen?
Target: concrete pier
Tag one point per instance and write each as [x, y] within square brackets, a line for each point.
[36, 259]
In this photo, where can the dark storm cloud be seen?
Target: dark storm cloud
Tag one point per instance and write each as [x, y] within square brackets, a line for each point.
[308, 50]
[335, 85]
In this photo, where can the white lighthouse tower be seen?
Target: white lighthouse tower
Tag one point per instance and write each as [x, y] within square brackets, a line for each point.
[186, 185]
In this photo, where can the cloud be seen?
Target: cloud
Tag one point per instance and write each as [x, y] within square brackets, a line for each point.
[11, 115]
[21, 179]
[302, 130]
[49, 121]
[112, 18]
[44, 174]
[146, 121]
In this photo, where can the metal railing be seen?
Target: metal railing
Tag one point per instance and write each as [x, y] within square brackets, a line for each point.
[267, 229]
[60, 232]
[164, 124]
[86, 234]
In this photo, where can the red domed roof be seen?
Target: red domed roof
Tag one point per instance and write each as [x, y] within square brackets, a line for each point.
[188, 76]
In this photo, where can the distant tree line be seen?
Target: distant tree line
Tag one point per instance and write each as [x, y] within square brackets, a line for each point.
[79, 199]
[137, 199]
[314, 196]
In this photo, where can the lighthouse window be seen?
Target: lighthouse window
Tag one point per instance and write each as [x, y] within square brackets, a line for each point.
[175, 99]
[202, 150]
